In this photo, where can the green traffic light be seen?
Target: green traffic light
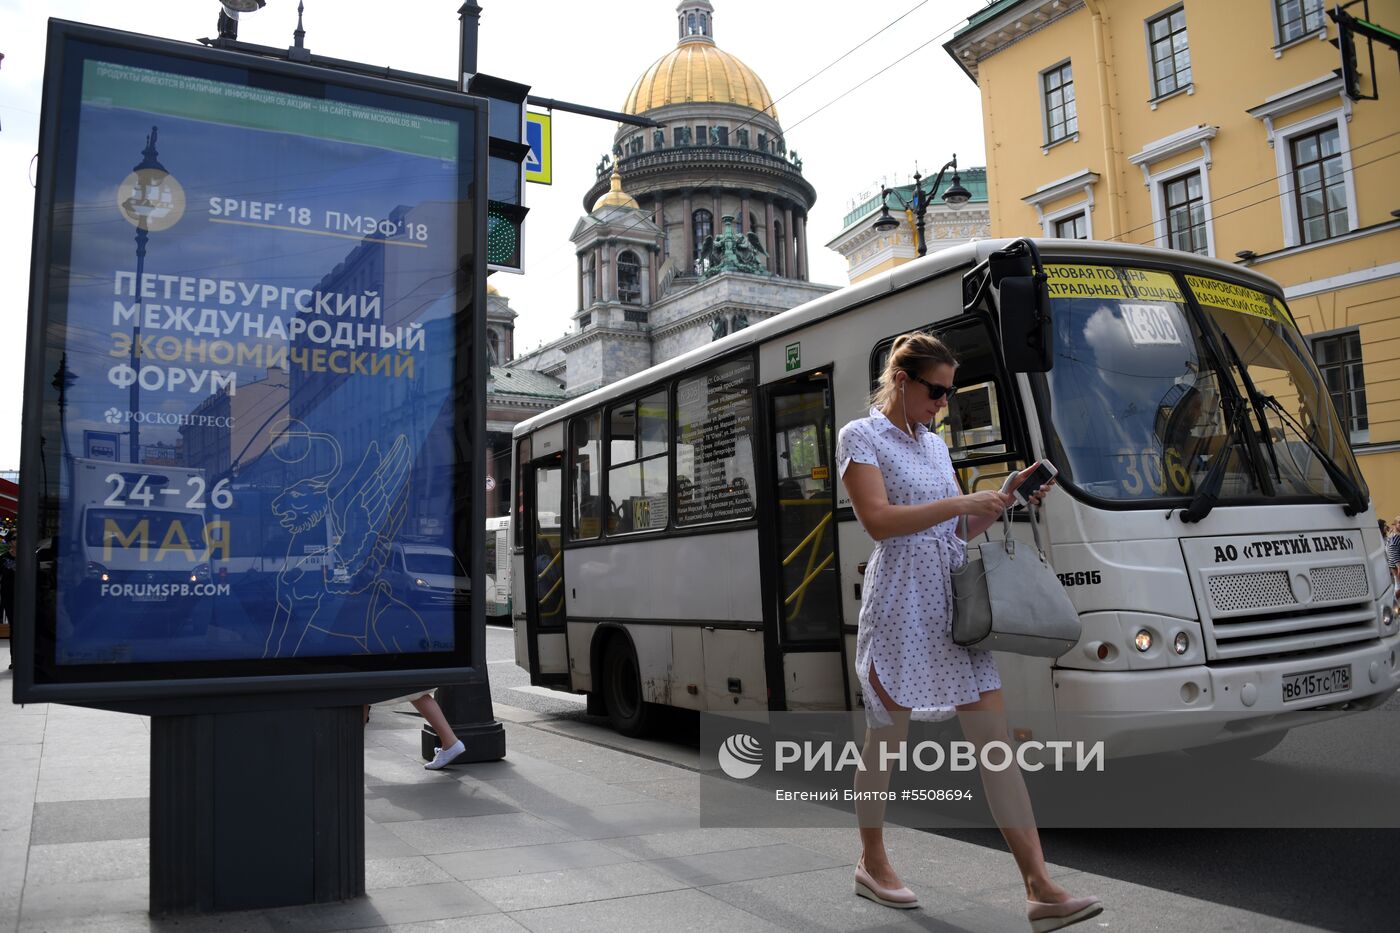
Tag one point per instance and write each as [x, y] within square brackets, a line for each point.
[502, 238]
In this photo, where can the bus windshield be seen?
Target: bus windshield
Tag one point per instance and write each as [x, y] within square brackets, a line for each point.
[1145, 396]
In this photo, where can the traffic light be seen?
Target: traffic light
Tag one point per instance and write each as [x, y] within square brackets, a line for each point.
[505, 197]
[505, 233]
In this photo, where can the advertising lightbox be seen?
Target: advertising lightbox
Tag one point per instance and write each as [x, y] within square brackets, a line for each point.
[250, 444]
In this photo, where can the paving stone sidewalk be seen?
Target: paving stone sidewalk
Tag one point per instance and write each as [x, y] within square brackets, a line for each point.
[562, 835]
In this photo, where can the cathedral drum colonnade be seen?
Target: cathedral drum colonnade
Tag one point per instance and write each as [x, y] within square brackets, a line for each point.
[694, 227]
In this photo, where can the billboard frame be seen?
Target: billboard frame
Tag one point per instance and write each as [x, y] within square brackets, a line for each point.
[332, 681]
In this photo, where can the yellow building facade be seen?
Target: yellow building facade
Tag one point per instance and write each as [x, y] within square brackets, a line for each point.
[1221, 128]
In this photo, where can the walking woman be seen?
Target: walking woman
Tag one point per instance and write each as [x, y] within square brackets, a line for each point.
[906, 496]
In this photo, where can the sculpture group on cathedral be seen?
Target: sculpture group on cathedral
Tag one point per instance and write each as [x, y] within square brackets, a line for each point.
[732, 252]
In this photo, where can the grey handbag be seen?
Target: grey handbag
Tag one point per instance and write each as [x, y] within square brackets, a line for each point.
[1007, 598]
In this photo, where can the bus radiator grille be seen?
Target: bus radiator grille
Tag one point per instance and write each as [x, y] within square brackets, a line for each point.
[1345, 581]
[1233, 592]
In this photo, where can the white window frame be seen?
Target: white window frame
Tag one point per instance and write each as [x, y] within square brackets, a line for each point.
[1157, 182]
[1082, 181]
[1280, 45]
[1362, 435]
[1046, 142]
[1189, 87]
[1283, 155]
[1064, 213]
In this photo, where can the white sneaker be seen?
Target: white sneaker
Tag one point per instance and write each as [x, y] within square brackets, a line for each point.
[442, 757]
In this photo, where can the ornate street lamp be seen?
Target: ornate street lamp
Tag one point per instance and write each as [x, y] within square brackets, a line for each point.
[956, 196]
[228, 15]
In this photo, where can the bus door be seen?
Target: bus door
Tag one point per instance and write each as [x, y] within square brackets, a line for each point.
[807, 666]
[545, 615]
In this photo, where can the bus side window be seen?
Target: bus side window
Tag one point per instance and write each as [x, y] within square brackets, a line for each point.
[585, 468]
[976, 426]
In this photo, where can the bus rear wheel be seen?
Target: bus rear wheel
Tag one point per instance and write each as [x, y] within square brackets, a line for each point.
[622, 690]
[1255, 746]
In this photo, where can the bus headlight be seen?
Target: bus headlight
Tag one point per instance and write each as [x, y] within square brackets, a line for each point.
[1387, 615]
[1181, 643]
[1143, 640]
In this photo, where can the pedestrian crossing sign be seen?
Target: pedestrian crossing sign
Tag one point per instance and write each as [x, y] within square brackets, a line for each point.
[538, 163]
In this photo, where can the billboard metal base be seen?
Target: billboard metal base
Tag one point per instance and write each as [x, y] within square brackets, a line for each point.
[468, 710]
[259, 809]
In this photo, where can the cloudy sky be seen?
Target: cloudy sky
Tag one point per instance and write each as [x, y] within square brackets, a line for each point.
[893, 103]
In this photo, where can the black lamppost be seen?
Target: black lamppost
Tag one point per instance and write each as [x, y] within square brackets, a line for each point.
[151, 201]
[228, 15]
[955, 196]
[63, 380]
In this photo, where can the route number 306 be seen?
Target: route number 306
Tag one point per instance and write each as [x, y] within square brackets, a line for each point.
[1149, 469]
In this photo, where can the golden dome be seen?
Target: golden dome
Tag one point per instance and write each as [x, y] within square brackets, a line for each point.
[616, 197]
[697, 70]
[491, 289]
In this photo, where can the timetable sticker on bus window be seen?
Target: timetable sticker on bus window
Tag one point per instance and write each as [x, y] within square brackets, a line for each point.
[1067, 280]
[1231, 297]
[1150, 325]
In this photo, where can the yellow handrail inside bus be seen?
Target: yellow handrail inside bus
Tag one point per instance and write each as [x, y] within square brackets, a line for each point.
[544, 600]
[808, 540]
[802, 587]
[813, 538]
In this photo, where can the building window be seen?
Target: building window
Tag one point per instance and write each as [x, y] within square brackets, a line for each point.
[629, 278]
[681, 135]
[1339, 358]
[702, 135]
[1073, 227]
[702, 224]
[1319, 184]
[1297, 18]
[1171, 57]
[1186, 214]
[722, 135]
[493, 348]
[1061, 117]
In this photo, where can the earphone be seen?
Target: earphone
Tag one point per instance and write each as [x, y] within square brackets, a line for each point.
[904, 409]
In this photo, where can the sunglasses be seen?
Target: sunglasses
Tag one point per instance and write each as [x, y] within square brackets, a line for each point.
[936, 391]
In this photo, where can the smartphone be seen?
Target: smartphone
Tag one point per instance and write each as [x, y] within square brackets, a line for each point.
[1042, 473]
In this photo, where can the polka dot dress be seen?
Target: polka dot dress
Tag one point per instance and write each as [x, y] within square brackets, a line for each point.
[906, 614]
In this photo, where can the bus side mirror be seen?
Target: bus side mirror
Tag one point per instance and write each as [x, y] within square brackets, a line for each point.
[1027, 340]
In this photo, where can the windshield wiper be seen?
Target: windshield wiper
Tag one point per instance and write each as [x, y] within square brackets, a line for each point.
[1207, 494]
[1256, 399]
[1351, 491]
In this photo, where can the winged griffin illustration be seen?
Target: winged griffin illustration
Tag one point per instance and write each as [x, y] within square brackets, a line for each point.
[340, 546]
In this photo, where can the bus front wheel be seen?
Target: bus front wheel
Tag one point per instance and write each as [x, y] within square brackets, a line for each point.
[622, 690]
[1255, 746]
